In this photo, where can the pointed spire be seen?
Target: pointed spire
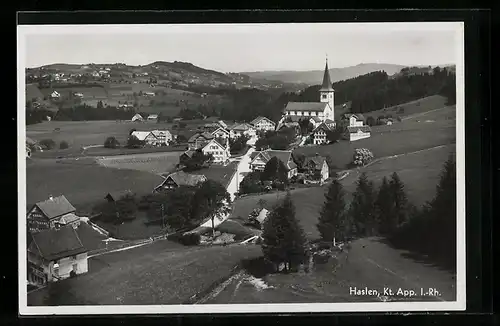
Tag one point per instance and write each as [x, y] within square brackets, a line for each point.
[327, 84]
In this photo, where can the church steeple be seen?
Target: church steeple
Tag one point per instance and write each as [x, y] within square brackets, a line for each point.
[327, 84]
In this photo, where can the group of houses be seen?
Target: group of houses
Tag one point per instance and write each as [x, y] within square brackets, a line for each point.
[139, 118]
[54, 249]
[154, 137]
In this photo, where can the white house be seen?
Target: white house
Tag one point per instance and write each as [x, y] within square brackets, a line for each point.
[147, 137]
[220, 133]
[318, 166]
[164, 137]
[219, 151]
[259, 160]
[263, 123]
[355, 120]
[153, 117]
[353, 133]
[242, 129]
[55, 254]
[55, 95]
[324, 109]
[137, 117]
[320, 134]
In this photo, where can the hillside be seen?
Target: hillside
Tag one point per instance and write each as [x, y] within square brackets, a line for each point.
[315, 76]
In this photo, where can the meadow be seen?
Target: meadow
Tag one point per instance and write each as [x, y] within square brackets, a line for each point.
[411, 108]
[83, 181]
[420, 173]
[151, 162]
[412, 134]
[162, 273]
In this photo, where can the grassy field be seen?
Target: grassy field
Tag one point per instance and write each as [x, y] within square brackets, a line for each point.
[152, 162]
[419, 171]
[409, 135]
[133, 230]
[414, 107]
[162, 273]
[83, 182]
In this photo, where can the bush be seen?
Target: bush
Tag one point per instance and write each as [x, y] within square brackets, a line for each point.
[47, 143]
[362, 156]
[63, 145]
[111, 142]
[190, 239]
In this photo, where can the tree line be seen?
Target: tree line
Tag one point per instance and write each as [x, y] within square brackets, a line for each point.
[386, 211]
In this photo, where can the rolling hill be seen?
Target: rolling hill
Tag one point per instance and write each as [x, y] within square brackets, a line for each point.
[315, 76]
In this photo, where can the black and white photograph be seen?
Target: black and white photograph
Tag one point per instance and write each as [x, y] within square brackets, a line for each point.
[241, 168]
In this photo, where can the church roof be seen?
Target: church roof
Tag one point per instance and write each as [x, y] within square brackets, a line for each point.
[327, 83]
[306, 106]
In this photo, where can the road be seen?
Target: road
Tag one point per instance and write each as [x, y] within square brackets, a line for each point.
[370, 264]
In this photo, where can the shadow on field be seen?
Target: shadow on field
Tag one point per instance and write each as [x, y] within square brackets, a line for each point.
[421, 258]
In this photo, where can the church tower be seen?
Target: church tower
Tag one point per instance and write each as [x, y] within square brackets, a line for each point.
[327, 93]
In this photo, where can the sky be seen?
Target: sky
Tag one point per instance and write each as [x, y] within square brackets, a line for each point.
[245, 47]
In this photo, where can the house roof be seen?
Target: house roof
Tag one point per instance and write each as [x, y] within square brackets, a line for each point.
[69, 218]
[184, 179]
[306, 106]
[216, 142]
[219, 173]
[242, 127]
[189, 153]
[327, 83]
[315, 119]
[55, 207]
[352, 129]
[152, 116]
[329, 121]
[206, 135]
[322, 126]
[138, 116]
[53, 244]
[283, 156]
[316, 160]
[358, 116]
[262, 215]
[258, 119]
[157, 133]
[141, 135]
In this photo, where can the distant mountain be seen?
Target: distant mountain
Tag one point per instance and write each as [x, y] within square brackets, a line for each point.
[316, 76]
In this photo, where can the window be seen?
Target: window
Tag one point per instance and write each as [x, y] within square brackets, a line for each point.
[323, 96]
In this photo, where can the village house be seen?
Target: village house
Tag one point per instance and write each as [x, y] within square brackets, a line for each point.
[217, 131]
[242, 129]
[199, 140]
[220, 152]
[259, 160]
[324, 109]
[178, 179]
[320, 134]
[164, 137]
[55, 254]
[354, 120]
[147, 137]
[55, 95]
[263, 123]
[153, 117]
[356, 133]
[137, 117]
[317, 167]
[50, 214]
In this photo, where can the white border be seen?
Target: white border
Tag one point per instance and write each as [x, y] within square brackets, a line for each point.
[459, 304]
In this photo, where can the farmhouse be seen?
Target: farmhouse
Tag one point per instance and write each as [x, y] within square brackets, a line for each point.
[259, 160]
[150, 94]
[263, 123]
[357, 132]
[355, 120]
[147, 137]
[320, 134]
[317, 167]
[219, 151]
[48, 214]
[55, 95]
[153, 117]
[164, 137]
[55, 254]
[137, 117]
[199, 140]
[323, 109]
[242, 129]
[178, 179]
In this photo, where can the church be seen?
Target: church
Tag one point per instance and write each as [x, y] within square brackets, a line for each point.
[322, 111]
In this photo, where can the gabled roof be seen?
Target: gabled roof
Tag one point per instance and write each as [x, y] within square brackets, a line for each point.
[358, 116]
[219, 128]
[329, 121]
[327, 83]
[215, 141]
[315, 119]
[206, 135]
[352, 129]
[258, 119]
[283, 156]
[152, 116]
[69, 218]
[189, 153]
[322, 126]
[55, 207]
[141, 135]
[306, 106]
[138, 116]
[158, 133]
[317, 161]
[184, 179]
[242, 126]
[53, 244]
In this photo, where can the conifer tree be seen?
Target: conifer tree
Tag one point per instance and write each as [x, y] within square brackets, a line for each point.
[383, 206]
[283, 238]
[362, 208]
[399, 201]
[333, 221]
